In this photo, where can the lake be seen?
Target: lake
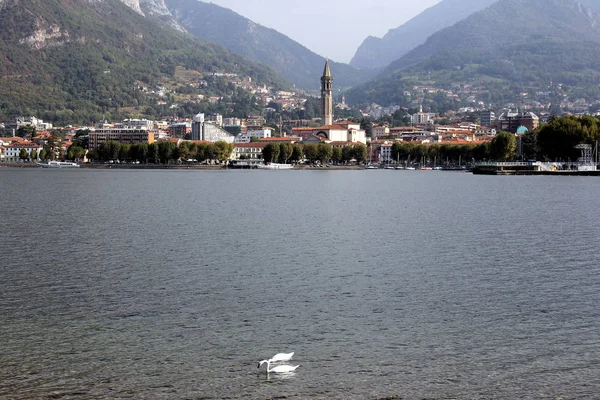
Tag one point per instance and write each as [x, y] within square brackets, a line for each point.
[409, 284]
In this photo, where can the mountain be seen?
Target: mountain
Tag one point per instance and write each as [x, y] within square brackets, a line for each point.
[379, 52]
[76, 60]
[294, 62]
[513, 46]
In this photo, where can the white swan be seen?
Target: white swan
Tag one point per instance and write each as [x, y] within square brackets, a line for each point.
[280, 369]
[282, 357]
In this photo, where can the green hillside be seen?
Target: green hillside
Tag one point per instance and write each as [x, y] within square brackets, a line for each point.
[510, 47]
[74, 61]
[294, 62]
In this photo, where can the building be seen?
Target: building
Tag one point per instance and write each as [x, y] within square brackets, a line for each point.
[258, 134]
[179, 129]
[422, 118]
[511, 121]
[380, 131]
[381, 151]
[327, 95]
[248, 151]
[12, 152]
[122, 134]
[487, 118]
[204, 130]
[139, 123]
[343, 131]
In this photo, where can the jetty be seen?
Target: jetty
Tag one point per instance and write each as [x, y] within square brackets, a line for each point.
[535, 168]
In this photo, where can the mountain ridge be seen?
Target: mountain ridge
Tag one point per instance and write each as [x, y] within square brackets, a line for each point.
[77, 59]
[511, 46]
[295, 62]
[379, 52]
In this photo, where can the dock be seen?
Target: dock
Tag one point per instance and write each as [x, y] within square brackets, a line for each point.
[535, 168]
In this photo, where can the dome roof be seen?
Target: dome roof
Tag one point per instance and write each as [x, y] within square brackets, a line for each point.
[522, 130]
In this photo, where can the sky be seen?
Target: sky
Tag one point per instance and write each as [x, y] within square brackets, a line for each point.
[331, 28]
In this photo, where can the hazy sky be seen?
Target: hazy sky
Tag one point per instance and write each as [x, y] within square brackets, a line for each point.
[331, 28]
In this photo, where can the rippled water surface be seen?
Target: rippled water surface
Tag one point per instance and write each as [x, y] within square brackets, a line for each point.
[173, 284]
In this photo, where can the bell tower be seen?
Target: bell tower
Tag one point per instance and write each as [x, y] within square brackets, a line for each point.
[327, 95]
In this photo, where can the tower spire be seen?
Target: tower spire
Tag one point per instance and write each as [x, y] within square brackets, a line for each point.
[327, 95]
[327, 71]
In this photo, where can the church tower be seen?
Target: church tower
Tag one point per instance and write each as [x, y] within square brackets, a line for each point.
[327, 95]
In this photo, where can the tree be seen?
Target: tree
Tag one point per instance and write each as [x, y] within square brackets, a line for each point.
[23, 155]
[82, 138]
[271, 152]
[165, 151]
[139, 152]
[75, 153]
[348, 153]
[530, 146]
[202, 153]
[310, 152]
[337, 154]
[43, 154]
[26, 131]
[297, 153]
[360, 153]
[223, 151]
[285, 152]
[557, 140]
[153, 153]
[34, 155]
[367, 126]
[503, 146]
[324, 152]
[109, 151]
[124, 152]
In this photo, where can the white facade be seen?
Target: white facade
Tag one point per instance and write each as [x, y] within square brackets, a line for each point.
[422, 118]
[248, 151]
[342, 132]
[204, 130]
[247, 137]
[385, 153]
[11, 152]
[137, 123]
[213, 133]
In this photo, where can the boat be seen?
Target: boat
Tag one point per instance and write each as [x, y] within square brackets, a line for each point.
[389, 167]
[275, 166]
[370, 167]
[59, 164]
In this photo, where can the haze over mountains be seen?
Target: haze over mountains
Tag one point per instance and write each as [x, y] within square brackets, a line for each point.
[512, 46]
[380, 52]
[293, 61]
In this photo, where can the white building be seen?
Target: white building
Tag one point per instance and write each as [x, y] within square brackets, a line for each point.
[203, 130]
[259, 134]
[11, 152]
[136, 123]
[248, 151]
[344, 131]
[421, 117]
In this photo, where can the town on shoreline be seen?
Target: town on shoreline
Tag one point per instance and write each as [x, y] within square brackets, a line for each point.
[215, 141]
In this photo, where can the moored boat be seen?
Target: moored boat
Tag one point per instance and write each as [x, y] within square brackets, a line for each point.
[58, 164]
[275, 166]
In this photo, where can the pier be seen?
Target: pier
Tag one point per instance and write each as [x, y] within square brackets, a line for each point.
[535, 168]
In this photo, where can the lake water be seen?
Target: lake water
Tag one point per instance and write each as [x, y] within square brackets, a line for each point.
[420, 285]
